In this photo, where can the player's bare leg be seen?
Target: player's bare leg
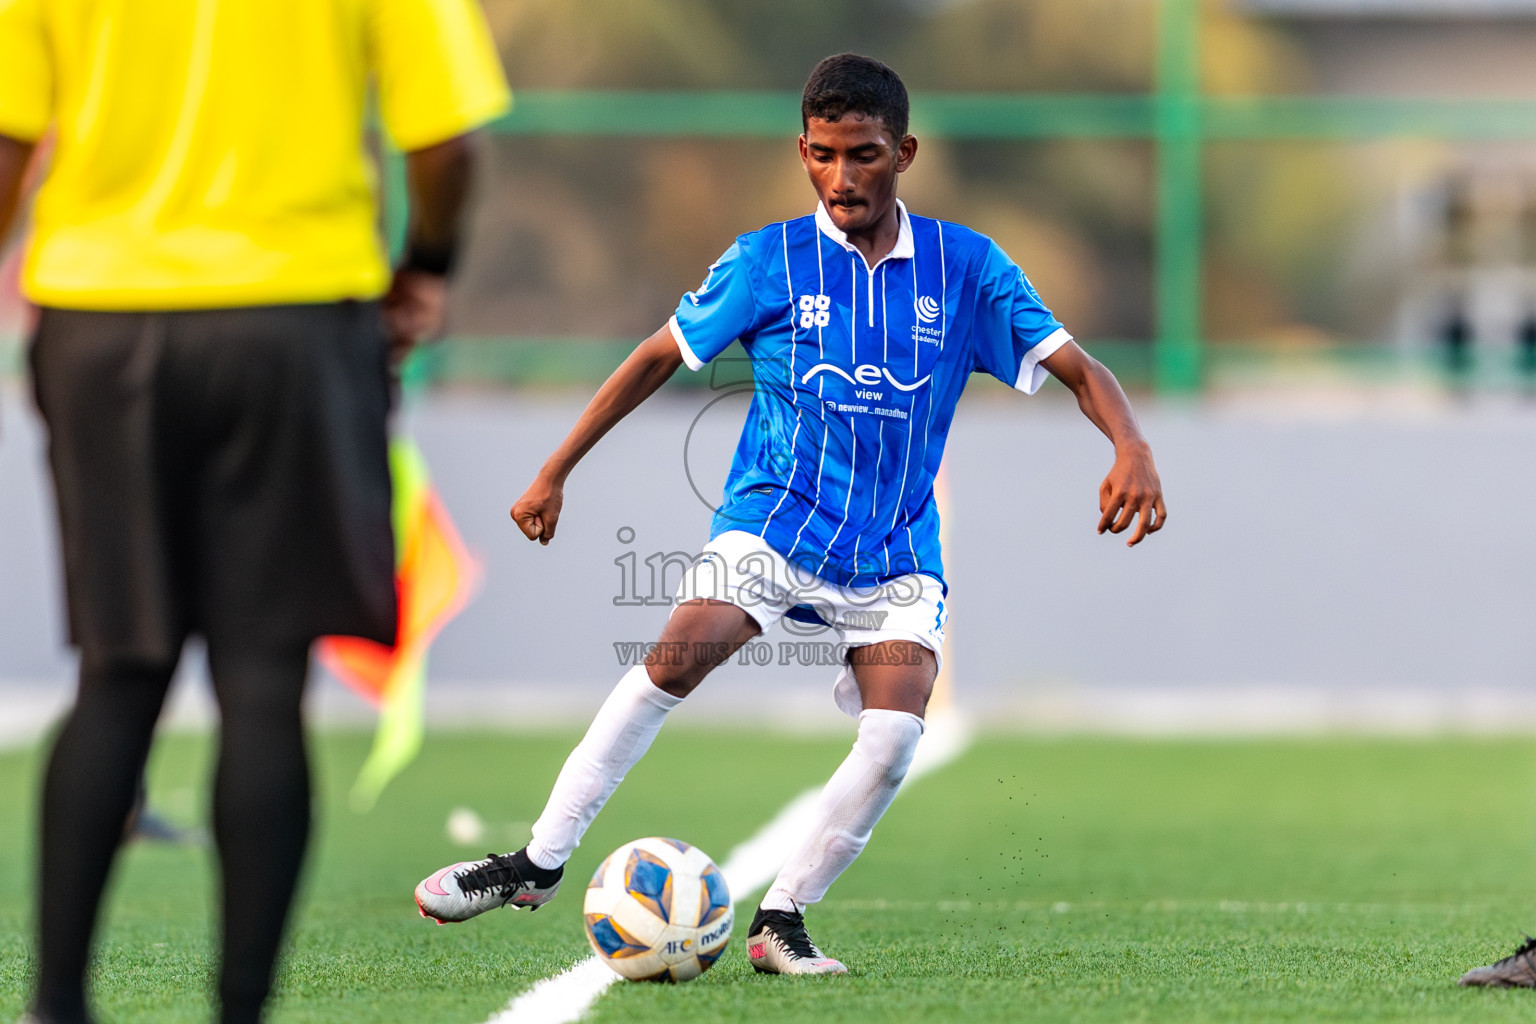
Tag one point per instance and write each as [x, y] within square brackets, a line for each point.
[897, 675]
[895, 681]
[700, 636]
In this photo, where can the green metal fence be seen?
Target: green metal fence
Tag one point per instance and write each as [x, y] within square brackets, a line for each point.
[1176, 118]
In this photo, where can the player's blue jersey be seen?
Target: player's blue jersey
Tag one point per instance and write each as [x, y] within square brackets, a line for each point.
[858, 370]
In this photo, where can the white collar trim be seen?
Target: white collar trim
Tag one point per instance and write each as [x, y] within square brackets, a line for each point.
[904, 249]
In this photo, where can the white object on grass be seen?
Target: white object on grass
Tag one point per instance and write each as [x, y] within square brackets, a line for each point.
[465, 827]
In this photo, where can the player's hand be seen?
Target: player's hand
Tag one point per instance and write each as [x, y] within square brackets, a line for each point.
[538, 510]
[1132, 491]
[415, 310]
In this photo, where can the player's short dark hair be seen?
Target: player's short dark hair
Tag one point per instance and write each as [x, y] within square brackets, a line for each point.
[848, 83]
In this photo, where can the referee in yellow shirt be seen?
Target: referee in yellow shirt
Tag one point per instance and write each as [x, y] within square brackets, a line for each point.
[210, 360]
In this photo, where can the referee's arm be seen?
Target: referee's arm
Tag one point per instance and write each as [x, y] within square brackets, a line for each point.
[14, 155]
[438, 180]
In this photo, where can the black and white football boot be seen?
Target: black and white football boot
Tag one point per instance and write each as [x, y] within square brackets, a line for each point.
[464, 890]
[777, 943]
[1518, 970]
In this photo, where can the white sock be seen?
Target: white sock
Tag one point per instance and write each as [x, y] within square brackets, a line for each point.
[618, 737]
[856, 796]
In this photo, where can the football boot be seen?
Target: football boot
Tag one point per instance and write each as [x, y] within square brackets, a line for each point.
[461, 891]
[1518, 970]
[777, 943]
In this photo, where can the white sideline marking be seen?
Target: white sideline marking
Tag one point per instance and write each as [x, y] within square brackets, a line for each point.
[562, 998]
[567, 996]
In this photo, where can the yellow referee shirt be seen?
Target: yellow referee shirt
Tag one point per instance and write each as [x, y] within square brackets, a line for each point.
[212, 152]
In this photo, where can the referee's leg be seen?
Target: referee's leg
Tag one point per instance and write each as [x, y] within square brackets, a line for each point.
[88, 790]
[294, 542]
[93, 373]
[261, 810]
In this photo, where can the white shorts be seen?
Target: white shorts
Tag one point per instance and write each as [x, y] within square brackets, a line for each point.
[740, 568]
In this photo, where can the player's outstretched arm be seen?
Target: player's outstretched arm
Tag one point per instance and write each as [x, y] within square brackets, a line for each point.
[637, 378]
[1132, 490]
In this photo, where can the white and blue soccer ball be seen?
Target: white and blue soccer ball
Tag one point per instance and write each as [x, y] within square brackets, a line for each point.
[658, 910]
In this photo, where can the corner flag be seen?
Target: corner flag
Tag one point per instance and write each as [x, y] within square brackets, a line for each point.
[434, 576]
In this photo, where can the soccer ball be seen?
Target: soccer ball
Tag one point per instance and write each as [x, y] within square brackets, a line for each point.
[658, 910]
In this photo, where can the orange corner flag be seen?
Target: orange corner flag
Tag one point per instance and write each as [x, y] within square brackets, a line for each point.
[434, 578]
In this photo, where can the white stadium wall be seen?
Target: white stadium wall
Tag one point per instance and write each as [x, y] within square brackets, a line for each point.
[1322, 567]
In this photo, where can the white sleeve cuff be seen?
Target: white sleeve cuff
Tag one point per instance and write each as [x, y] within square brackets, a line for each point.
[694, 362]
[1031, 374]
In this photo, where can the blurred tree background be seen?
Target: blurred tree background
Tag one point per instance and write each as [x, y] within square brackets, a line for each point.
[594, 238]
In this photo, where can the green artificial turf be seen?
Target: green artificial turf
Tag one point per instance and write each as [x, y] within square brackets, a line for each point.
[1032, 879]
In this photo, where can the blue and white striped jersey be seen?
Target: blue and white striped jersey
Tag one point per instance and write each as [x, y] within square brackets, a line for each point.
[858, 370]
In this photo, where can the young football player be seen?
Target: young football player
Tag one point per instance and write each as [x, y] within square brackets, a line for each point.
[863, 323]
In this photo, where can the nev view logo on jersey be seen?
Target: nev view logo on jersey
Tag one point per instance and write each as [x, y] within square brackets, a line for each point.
[867, 374]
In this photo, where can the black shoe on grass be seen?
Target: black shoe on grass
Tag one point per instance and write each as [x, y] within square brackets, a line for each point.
[1518, 970]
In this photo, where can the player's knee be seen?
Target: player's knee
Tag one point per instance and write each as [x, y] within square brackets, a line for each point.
[678, 666]
[676, 678]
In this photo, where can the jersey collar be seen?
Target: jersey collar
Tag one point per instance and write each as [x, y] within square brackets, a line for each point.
[903, 250]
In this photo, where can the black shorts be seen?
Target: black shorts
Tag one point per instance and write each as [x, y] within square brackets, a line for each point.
[222, 472]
